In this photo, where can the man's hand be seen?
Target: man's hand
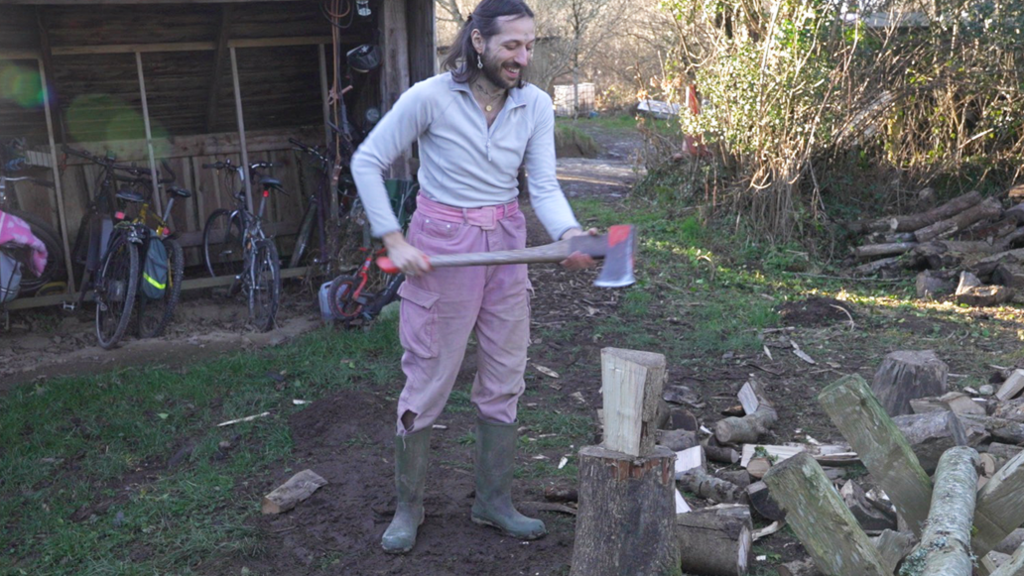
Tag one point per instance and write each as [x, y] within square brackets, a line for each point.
[406, 257]
[578, 260]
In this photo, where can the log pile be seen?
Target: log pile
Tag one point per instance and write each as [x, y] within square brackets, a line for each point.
[968, 234]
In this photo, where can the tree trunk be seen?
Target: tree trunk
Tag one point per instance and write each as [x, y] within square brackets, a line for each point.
[945, 548]
[1000, 428]
[912, 222]
[626, 520]
[821, 521]
[718, 453]
[715, 541]
[904, 375]
[869, 251]
[882, 448]
[930, 435]
[989, 208]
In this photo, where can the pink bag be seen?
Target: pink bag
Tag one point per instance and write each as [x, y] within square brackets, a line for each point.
[16, 230]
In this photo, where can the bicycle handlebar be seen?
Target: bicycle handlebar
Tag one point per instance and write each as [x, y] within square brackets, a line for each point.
[136, 171]
[228, 165]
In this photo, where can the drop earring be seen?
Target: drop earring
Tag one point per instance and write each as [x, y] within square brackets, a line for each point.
[479, 61]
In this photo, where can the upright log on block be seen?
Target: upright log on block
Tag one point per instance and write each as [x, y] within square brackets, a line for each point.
[908, 374]
[1000, 507]
[821, 521]
[631, 384]
[626, 520]
[882, 448]
[945, 548]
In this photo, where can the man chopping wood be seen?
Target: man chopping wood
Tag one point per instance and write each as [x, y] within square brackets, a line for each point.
[475, 124]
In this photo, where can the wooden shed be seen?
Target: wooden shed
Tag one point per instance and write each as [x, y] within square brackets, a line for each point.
[191, 82]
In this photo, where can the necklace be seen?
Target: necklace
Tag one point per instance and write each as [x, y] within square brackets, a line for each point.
[489, 106]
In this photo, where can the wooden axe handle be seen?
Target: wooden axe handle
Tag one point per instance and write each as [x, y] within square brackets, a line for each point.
[594, 246]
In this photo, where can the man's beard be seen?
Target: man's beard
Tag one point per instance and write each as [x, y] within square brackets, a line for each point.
[492, 71]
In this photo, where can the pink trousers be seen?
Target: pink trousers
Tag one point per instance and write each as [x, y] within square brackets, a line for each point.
[439, 311]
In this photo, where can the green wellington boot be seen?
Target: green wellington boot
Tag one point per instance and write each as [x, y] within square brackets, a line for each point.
[495, 459]
[410, 471]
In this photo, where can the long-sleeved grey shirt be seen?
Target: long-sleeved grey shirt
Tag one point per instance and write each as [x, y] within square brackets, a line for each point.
[464, 163]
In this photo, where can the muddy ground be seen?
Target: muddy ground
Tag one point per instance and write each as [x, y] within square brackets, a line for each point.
[348, 439]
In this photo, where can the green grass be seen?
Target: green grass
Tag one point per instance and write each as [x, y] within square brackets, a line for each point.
[85, 489]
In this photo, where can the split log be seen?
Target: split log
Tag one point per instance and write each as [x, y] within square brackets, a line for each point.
[955, 402]
[1012, 386]
[870, 251]
[1000, 507]
[894, 547]
[1011, 275]
[871, 519]
[986, 209]
[1014, 566]
[883, 449]
[930, 284]
[1003, 452]
[945, 548]
[761, 501]
[804, 567]
[560, 494]
[907, 374]
[706, 486]
[820, 520]
[626, 515]
[715, 541]
[689, 459]
[999, 428]
[680, 394]
[912, 222]
[679, 418]
[746, 429]
[979, 296]
[631, 386]
[295, 490]
[752, 396]
[718, 453]
[930, 435]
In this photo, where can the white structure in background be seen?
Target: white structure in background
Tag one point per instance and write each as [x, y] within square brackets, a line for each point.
[564, 98]
[658, 109]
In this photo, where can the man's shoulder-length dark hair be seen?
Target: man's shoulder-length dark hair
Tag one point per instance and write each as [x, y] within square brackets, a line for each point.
[461, 59]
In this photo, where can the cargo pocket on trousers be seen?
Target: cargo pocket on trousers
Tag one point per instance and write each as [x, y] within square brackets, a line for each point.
[418, 320]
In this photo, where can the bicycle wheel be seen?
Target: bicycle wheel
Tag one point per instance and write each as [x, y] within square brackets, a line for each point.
[340, 298]
[116, 286]
[222, 244]
[154, 315]
[265, 293]
[386, 296]
[302, 241]
[54, 253]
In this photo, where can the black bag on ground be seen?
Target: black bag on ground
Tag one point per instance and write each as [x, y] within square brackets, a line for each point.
[154, 270]
[10, 277]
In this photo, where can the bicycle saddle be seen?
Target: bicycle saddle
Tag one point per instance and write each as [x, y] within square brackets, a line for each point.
[271, 182]
[179, 192]
[130, 196]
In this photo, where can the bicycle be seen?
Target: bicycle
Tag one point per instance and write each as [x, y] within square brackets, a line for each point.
[112, 266]
[235, 245]
[12, 162]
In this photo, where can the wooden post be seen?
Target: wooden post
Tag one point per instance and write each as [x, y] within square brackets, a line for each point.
[1000, 507]
[631, 384]
[57, 186]
[241, 132]
[157, 201]
[394, 76]
[945, 548]
[821, 521]
[223, 33]
[328, 135]
[626, 520]
[882, 448]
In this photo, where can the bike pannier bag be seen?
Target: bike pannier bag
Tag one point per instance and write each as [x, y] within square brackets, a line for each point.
[10, 277]
[154, 270]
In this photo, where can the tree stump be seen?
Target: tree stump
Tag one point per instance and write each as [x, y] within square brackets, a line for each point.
[626, 519]
[715, 541]
[908, 374]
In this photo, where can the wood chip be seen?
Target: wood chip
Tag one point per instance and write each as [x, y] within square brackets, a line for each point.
[767, 530]
[546, 371]
[801, 354]
[246, 419]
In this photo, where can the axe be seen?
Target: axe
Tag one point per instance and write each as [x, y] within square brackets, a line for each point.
[616, 248]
